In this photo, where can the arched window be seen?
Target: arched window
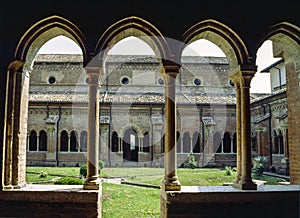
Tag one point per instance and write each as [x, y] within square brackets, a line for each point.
[217, 140]
[74, 141]
[186, 143]
[43, 141]
[83, 141]
[280, 142]
[275, 139]
[196, 142]
[146, 142]
[227, 143]
[114, 142]
[64, 141]
[32, 141]
[234, 143]
[178, 142]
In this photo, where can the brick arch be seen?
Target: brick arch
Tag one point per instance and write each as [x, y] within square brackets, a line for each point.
[221, 35]
[133, 26]
[43, 31]
[286, 44]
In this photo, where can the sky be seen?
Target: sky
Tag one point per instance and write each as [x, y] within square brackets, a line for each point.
[131, 45]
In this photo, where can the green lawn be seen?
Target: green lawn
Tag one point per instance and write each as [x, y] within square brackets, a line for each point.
[129, 201]
[133, 201]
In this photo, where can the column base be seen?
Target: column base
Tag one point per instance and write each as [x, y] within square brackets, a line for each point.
[172, 184]
[92, 184]
[245, 185]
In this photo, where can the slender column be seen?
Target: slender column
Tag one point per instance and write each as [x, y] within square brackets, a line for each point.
[92, 181]
[69, 142]
[191, 143]
[246, 182]
[170, 181]
[9, 125]
[238, 132]
[78, 142]
[19, 126]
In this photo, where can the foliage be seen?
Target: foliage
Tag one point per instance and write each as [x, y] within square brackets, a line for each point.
[43, 174]
[228, 171]
[259, 165]
[83, 168]
[191, 161]
[69, 181]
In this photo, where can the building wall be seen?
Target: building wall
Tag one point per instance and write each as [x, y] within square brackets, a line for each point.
[136, 104]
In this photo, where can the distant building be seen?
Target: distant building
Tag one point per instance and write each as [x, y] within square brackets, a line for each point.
[132, 112]
[269, 121]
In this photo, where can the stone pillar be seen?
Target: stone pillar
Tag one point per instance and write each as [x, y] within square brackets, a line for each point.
[170, 181]
[242, 79]
[15, 131]
[92, 181]
[238, 134]
[246, 182]
[9, 124]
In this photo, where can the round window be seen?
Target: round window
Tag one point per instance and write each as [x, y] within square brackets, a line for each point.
[160, 81]
[51, 80]
[197, 82]
[125, 81]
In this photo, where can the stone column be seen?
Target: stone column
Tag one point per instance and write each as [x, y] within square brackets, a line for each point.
[170, 181]
[16, 126]
[246, 182]
[238, 133]
[92, 181]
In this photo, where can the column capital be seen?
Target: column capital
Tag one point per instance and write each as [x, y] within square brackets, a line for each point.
[171, 68]
[93, 70]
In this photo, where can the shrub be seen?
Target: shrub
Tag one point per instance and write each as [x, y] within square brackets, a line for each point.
[228, 171]
[43, 174]
[69, 181]
[191, 161]
[83, 168]
[259, 165]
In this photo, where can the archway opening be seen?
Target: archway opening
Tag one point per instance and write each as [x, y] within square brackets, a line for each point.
[209, 98]
[132, 90]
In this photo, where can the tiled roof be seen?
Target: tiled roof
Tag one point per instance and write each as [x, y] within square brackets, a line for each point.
[140, 98]
[58, 58]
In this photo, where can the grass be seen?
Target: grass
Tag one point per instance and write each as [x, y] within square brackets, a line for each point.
[132, 201]
[129, 201]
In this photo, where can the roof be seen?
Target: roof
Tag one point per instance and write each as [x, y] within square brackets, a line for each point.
[60, 58]
[138, 98]
[267, 69]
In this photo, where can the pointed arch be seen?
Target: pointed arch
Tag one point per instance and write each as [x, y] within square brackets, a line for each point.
[43, 31]
[133, 26]
[221, 35]
[43, 140]
[285, 28]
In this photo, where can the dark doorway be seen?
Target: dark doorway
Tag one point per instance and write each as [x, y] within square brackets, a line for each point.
[130, 146]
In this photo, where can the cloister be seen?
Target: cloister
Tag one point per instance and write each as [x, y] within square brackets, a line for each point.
[239, 42]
